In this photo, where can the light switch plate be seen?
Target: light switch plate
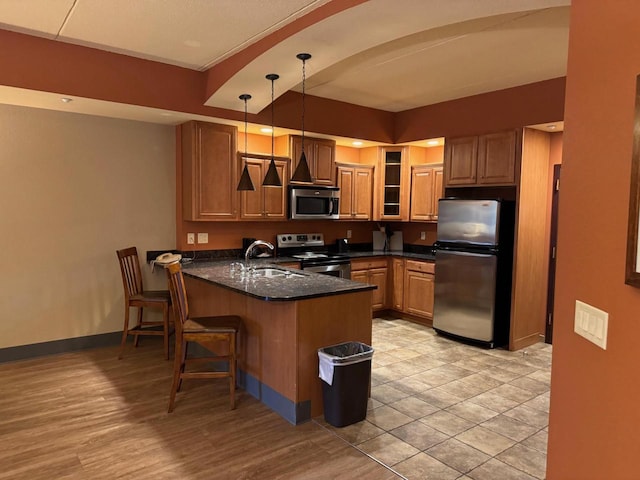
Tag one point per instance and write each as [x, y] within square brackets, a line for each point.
[591, 323]
[203, 238]
[191, 238]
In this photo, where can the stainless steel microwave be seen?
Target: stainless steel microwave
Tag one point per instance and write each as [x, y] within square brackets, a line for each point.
[313, 202]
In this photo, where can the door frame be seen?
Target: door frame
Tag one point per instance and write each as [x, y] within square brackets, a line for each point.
[553, 253]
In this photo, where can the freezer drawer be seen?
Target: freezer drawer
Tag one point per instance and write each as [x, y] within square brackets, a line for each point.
[465, 294]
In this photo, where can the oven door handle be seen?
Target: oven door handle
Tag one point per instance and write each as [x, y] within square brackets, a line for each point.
[325, 268]
[344, 269]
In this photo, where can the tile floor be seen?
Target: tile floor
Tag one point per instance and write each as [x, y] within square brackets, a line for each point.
[444, 410]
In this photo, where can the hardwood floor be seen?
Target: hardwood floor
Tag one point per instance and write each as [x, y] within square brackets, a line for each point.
[87, 415]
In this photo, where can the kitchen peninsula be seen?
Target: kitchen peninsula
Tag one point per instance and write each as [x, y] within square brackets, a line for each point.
[287, 317]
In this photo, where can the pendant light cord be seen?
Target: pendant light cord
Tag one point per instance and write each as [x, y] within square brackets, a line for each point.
[245, 130]
[245, 183]
[272, 120]
[272, 178]
[304, 62]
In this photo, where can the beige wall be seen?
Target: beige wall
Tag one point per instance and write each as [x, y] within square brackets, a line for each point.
[74, 189]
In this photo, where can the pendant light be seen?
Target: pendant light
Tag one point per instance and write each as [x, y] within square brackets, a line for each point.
[302, 173]
[272, 179]
[245, 179]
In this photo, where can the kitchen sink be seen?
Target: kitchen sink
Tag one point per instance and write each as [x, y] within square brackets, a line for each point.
[271, 272]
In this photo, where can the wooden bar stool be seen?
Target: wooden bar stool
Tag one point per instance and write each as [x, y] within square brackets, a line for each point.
[210, 332]
[136, 296]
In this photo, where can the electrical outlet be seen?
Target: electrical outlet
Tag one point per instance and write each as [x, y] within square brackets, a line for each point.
[191, 238]
[591, 323]
[423, 235]
[203, 238]
[348, 233]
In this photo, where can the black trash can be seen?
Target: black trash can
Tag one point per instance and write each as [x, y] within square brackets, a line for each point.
[345, 370]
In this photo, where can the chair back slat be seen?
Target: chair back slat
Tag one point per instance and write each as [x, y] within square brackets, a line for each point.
[130, 269]
[178, 295]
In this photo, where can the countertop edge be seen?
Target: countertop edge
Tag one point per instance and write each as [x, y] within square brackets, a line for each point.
[316, 291]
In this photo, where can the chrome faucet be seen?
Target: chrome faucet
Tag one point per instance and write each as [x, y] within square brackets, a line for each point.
[257, 243]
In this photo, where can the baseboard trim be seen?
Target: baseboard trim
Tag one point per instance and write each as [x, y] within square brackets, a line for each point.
[526, 341]
[24, 352]
[287, 409]
[427, 322]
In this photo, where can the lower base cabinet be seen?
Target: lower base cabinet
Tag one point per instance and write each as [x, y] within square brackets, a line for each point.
[407, 287]
[374, 272]
[397, 297]
[419, 288]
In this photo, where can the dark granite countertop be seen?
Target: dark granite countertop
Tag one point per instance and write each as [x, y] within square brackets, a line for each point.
[299, 286]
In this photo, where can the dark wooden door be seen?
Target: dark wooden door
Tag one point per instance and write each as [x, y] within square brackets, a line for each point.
[548, 336]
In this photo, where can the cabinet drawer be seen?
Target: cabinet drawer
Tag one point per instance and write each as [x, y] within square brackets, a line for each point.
[425, 267]
[290, 265]
[368, 263]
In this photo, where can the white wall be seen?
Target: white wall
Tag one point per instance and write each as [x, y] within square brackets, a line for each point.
[74, 189]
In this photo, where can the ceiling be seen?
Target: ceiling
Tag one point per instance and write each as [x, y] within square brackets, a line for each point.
[392, 55]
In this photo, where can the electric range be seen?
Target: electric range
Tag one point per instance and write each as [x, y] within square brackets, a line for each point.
[313, 254]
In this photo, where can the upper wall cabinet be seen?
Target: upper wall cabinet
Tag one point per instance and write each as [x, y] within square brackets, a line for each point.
[209, 176]
[482, 160]
[426, 190]
[394, 179]
[356, 191]
[320, 155]
[264, 203]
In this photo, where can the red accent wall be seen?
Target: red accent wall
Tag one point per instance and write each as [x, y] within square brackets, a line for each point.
[489, 112]
[595, 393]
[52, 66]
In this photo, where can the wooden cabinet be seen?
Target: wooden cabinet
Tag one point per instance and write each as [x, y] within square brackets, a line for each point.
[397, 297]
[426, 190]
[394, 184]
[361, 276]
[438, 190]
[374, 272]
[497, 158]
[460, 161]
[264, 203]
[320, 155]
[419, 288]
[295, 265]
[209, 172]
[489, 159]
[529, 291]
[356, 191]
[408, 288]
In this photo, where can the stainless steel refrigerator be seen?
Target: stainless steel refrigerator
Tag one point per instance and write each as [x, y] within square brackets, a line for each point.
[474, 260]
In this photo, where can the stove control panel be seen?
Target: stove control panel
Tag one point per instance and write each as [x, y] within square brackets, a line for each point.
[300, 240]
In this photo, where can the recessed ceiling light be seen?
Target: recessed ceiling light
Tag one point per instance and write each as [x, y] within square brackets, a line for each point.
[66, 99]
[166, 114]
[551, 127]
[357, 143]
[433, 142]
[265, 130]
[192, 43]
